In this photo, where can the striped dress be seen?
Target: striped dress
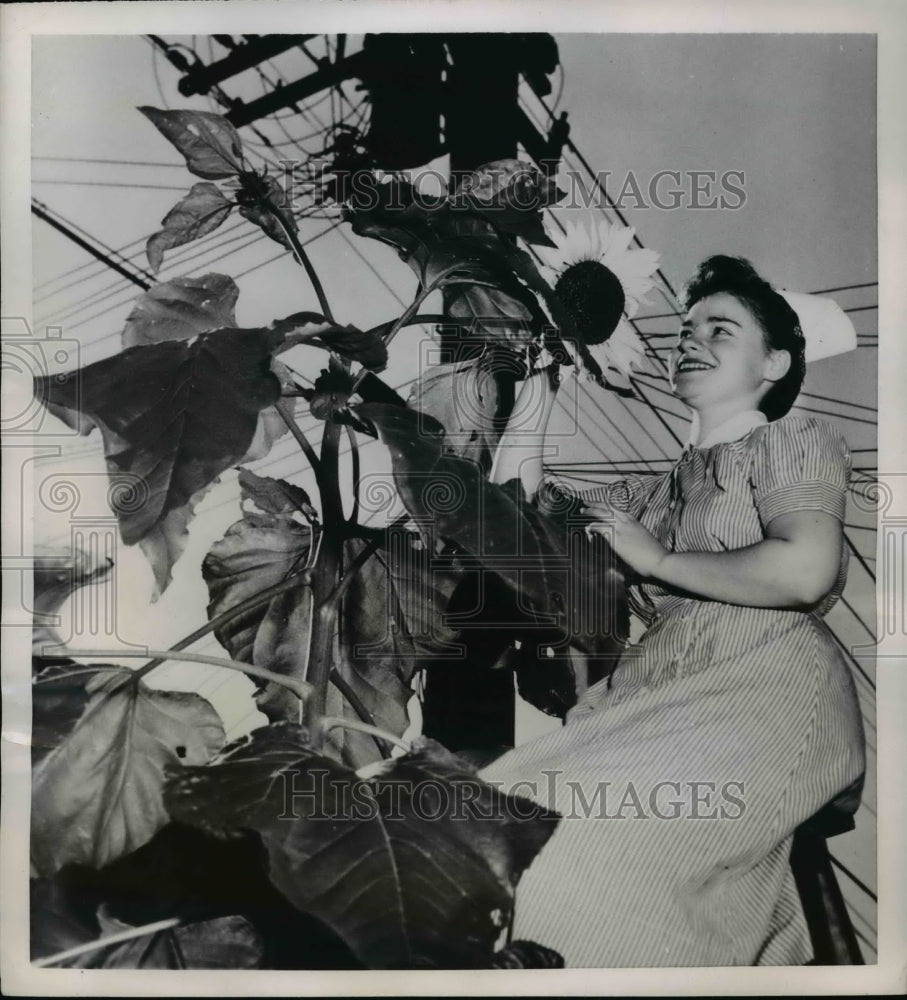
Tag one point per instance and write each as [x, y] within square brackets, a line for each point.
[682, 778]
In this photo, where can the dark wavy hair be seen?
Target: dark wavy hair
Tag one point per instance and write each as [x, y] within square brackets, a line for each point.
[780, 324]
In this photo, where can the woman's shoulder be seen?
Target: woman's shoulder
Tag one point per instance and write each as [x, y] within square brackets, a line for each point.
[793, 450]
[794, 432]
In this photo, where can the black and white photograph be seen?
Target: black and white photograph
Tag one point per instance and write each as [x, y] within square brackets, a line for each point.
[455, 499]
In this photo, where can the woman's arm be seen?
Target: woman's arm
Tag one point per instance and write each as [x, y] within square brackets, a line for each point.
[522, 445]
[794, 566]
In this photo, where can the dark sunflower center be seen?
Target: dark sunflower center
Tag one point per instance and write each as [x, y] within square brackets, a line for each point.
[594, 297]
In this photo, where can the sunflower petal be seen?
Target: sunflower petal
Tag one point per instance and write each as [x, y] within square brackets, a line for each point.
[624, 352]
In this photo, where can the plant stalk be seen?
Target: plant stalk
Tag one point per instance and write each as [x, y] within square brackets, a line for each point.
[299, 688]
[361, 558]
[422, 319]
[104, 942]
[356, 472]
[410, 313]
[302, 578]
[286, 414]
[325, 572]
[328, 722]
[303, 258]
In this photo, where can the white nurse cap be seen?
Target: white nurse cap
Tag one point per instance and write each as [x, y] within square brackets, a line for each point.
[827, 329]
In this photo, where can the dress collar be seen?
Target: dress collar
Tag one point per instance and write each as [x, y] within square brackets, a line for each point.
[730, 430]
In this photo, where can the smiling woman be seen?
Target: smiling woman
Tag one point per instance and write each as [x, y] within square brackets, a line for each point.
[735, 555]
[729, 304]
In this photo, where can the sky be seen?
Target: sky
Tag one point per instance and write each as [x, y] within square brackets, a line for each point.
[789, 119]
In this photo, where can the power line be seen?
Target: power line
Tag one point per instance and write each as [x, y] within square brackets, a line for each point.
[69, 234]
[104, 159]
[98, 272]
[104, 246]
[798, 405]
[846, 288]
[87, 264]
[836, 416]
[114, 184]
[107, 295]
[609, 426]
[180, 257]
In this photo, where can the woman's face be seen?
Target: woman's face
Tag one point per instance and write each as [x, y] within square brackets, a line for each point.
[720, 357]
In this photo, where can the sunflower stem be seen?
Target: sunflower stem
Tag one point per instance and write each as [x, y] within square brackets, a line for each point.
[299, 688]
[105, 942]
[329, 722]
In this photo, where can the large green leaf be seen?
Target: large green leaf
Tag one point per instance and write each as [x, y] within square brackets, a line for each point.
[98, 794]
[59, 698]
[488, 302]
[495, 306]
[501, 316]
[414, 867]
[364, 346]
[396, 215]
[270, 543]
[186, 873]
[211, 145]
[203, 210]
[391, 616]
[510, 194]
[466, 398]
[182, 309]
[566, 581]
[173, 417]
[392, 625]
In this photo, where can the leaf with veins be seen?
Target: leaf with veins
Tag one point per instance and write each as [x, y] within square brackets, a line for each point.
[203, 210]
[99, 793]
[173, 415]
[413, 868]
[211, 145]
[181, 309]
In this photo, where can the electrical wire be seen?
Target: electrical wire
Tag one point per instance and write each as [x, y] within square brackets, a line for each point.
[104, 159]
[113, 184]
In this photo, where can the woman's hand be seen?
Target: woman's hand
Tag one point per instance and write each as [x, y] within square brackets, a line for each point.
[637, 546]
[794, 566]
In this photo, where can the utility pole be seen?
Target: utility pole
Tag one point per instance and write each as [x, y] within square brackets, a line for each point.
[468, 706]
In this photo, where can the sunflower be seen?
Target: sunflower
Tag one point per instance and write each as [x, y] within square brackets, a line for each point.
[601, 281]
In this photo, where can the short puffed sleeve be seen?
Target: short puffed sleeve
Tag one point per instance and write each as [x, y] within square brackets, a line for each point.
[629, 493]
[799, 463]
